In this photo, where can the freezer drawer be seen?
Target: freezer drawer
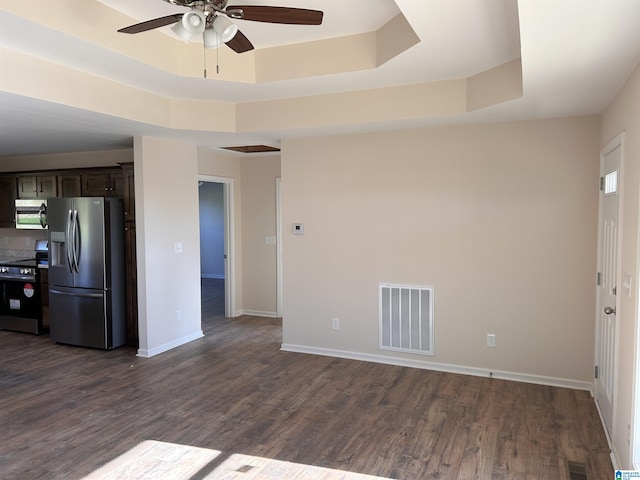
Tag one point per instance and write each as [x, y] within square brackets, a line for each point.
[83, 317]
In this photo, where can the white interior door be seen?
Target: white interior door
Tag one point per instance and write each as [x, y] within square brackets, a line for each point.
[608, 260]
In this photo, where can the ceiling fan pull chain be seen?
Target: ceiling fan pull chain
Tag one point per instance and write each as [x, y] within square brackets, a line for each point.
[204, 61]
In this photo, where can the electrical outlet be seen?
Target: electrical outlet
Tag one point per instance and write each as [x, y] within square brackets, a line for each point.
[27, 241]
[178, 315]
[178, 247]
[491, 340]
[335, 323]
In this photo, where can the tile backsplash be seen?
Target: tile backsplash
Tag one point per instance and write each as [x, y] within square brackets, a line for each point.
[20, 242]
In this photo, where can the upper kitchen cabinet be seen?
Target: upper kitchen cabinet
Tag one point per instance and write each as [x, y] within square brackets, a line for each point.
[32, 186]
[129, 195]
[69, 185]
[106, 183]
[7, 201]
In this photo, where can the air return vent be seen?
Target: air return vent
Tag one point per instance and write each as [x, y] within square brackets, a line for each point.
[406, 318]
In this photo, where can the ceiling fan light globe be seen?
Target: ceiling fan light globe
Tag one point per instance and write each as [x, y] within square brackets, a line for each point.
[193, 21]
[182, 32]
[225, 28]
[211, 39]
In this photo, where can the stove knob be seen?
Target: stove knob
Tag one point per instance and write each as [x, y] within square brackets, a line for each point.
[4, 269]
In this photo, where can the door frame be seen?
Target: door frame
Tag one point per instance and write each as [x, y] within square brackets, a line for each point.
[278, 247]
[229, 241]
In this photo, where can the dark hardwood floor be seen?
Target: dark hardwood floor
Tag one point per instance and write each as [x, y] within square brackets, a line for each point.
[65, 411]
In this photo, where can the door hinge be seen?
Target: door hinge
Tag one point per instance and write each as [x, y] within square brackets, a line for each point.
[599, 279]
[601, 184]
[596, 372]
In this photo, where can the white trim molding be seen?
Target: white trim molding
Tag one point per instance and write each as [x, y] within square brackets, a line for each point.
[144, 353]
[260, 313]
[440, 367]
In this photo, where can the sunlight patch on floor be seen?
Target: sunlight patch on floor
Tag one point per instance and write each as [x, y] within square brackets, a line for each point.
[169, 461]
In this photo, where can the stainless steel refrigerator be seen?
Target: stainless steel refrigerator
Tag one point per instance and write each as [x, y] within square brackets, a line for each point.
[87, 271]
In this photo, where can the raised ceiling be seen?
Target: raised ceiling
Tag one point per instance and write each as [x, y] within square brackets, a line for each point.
[574, 57]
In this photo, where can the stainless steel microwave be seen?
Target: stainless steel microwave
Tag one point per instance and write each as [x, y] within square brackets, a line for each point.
[31, 214]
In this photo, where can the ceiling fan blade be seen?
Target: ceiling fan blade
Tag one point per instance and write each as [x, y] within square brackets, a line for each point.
[293, 16]
[151, 24]
[239, 43]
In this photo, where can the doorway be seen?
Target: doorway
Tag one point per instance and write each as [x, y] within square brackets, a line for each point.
[216, 242]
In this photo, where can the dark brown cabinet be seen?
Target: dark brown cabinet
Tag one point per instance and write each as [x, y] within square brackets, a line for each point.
[103, 184]
[31, 186]
[69, 185]
[130, 252]
[129, 193]
[7, 201]
[131, 275]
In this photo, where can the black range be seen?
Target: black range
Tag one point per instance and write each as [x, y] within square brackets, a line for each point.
[20, 295]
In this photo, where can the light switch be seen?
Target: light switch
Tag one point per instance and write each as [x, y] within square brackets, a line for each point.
[268, 240]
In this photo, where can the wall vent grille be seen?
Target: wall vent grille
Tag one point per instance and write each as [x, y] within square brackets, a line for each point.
[406, 318]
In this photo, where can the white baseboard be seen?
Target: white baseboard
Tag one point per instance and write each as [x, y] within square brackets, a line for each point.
[440, 367]
[148, 353]
[212, 275]
[259, 313]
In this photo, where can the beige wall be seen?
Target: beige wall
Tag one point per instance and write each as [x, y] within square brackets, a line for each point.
[500, 219]
[623, 115]
[166, 182]
[259, 175]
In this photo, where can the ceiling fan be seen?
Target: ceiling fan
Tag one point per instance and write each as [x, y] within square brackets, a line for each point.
[211, 19]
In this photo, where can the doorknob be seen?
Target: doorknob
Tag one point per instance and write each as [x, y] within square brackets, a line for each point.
[609, 310]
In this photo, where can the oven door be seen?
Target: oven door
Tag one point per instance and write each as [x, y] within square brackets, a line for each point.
[20, 306]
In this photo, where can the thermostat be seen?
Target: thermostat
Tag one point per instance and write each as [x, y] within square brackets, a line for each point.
[298, 229]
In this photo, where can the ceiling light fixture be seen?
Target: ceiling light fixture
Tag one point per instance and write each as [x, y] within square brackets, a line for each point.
[225, 28]
[221, 31]
[191, 23]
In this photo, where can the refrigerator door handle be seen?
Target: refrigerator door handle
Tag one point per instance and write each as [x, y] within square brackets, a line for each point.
[76, 294]
[68, 238]
[76, 240]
